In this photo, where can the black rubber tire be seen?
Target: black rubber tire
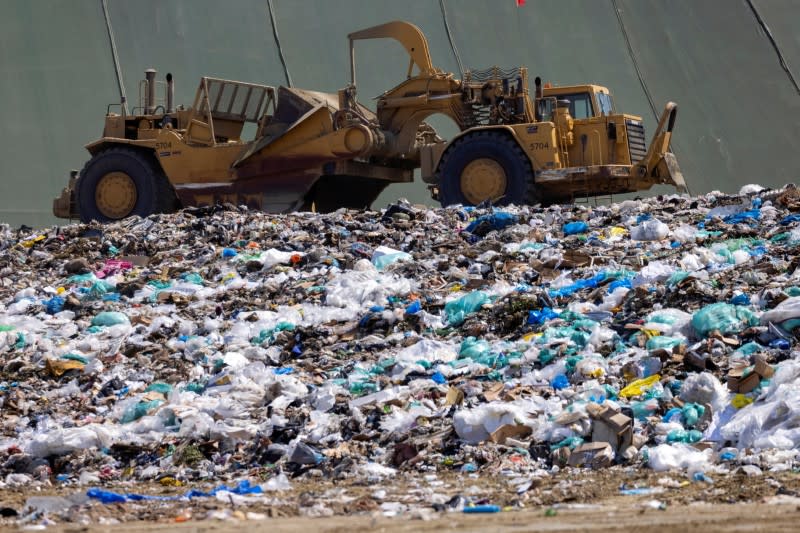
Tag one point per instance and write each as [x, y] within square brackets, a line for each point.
[496, 145]
[154, 194]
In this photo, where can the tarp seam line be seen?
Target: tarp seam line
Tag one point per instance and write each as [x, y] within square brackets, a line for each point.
[777, 48]
[633, 59]
[636, 67]
[450, 38]
[275, 36]
[117, 69]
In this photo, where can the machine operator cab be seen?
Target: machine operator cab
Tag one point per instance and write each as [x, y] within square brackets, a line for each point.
[585, 101]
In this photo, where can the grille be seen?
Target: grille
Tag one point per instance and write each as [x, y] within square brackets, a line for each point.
[636, 144]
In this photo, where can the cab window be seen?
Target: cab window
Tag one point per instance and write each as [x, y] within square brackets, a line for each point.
[580, 104]
[606, 104]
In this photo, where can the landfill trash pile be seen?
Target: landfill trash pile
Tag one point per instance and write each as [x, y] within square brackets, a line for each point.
[206, 345]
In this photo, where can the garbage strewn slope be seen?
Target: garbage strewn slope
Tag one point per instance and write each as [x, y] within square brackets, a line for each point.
[199, 345]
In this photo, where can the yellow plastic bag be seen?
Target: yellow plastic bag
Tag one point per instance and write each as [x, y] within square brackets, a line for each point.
[638, 387]
[740, 400]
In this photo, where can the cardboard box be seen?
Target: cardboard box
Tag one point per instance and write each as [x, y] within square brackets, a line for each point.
[610, 426]
[741, 383]
[592, 455]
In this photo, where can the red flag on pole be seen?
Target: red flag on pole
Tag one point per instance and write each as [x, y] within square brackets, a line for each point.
[520, 3]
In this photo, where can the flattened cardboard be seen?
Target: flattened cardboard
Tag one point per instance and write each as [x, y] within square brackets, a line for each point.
[510, 431]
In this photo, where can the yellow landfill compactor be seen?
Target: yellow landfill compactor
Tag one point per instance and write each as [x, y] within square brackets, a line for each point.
[290, 149]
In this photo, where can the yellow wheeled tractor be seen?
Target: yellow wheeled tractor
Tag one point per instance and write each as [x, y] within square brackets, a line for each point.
[288, 149]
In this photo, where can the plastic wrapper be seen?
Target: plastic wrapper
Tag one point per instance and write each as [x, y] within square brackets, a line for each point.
[65, 440]
[772, 422]
[639, 386]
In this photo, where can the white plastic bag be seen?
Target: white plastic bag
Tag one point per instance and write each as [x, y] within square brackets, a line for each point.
[786, 310]
[476, 425]
[678, 456]
[650, 230]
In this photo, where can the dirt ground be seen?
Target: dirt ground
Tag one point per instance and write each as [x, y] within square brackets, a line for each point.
[619, 516]
[571, 500]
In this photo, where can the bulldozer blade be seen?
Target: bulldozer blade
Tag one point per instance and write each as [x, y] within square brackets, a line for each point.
[675, 174]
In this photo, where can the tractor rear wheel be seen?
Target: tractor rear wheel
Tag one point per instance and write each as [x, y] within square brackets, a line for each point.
[120, 182]
[486, 165]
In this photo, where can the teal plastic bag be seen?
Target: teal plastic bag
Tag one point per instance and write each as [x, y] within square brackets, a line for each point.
[687, 436]
[98, 289]
[193, 277]
[457, 310]
[725, 318]
[663, 342]
[692, 413]
[139, 410]
[110, 318]
[158, 386]
[383, 261]
[473, 348]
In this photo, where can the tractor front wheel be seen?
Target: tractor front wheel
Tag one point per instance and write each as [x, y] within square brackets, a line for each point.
[486, 165]
[120, 182]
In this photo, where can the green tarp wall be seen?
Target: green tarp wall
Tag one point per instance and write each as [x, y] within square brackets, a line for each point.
[739, 110]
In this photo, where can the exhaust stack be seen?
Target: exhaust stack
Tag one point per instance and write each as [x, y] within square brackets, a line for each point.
[170, 93]
[537, 95]
[150, 97]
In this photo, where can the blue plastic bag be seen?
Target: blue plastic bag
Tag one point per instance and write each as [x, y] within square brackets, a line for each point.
[542, 316]
[574, 228]
[54, 305]
[486, 223]
[744, 216]
[560, 382]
